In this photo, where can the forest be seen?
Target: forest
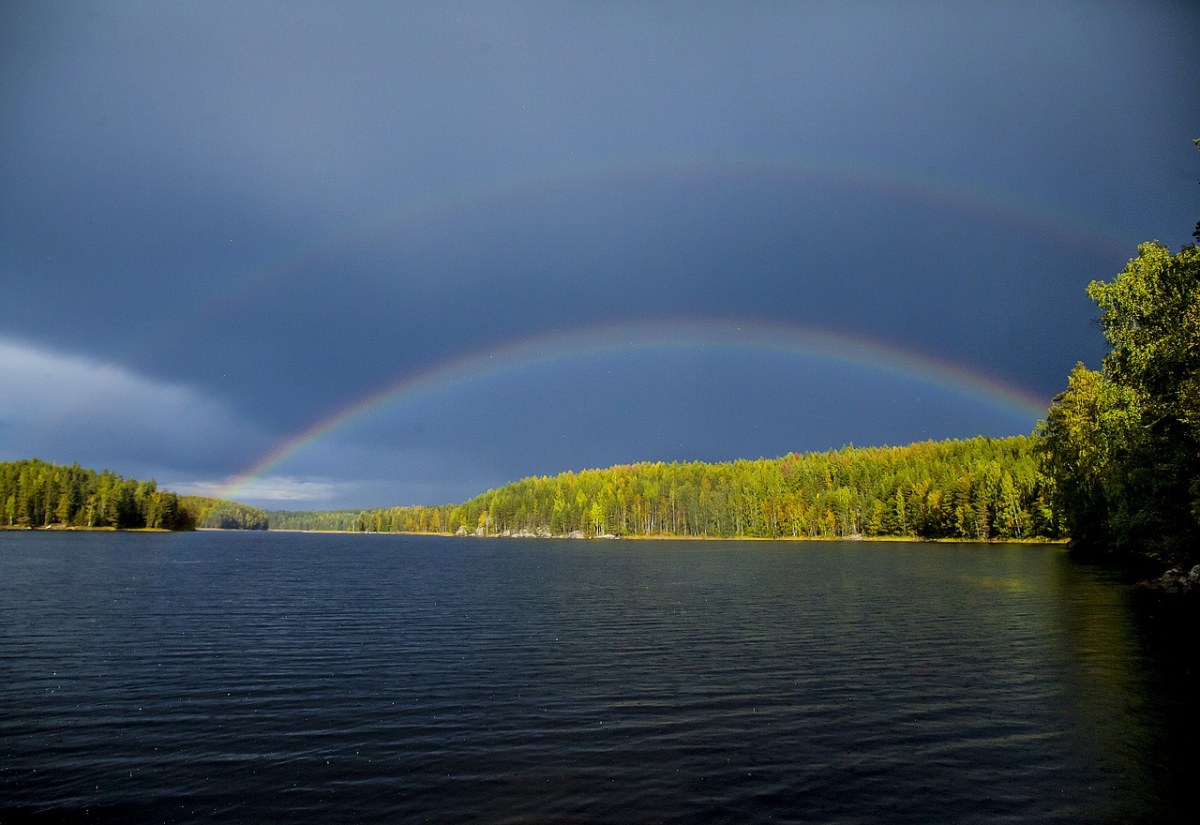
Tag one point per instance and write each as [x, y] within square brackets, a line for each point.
[219, 514]
[330, 520]
[980, 488]
[37, 493]
[40, 494]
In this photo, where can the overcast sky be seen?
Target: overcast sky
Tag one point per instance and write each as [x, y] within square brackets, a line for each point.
[323, 255]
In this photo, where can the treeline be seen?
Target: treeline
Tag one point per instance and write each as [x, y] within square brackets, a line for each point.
[40, 494]
[214, 513]
[980, 488]
[334, 520]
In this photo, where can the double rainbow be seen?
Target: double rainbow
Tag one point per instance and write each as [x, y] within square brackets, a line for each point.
[826, 346]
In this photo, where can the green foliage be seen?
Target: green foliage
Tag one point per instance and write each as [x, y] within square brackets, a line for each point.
[36, 493]
[218, 514]
[1123, 445]
[335, 520]
[980, 488]
[1087, 433]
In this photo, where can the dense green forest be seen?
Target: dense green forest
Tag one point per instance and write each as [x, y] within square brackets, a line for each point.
[980, 488]
[39, 494]
[1123, 444]
[218, 514]
[336, 520]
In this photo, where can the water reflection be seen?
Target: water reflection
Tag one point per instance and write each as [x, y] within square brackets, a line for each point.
[1130, 679]
[401, 678]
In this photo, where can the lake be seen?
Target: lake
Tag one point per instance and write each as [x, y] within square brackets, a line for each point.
[248, 677]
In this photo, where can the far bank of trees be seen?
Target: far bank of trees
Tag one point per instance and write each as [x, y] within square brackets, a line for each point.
[218, 514]
[979, 488]
[332, 520]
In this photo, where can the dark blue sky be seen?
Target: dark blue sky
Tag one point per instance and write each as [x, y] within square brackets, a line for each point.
[544, 227]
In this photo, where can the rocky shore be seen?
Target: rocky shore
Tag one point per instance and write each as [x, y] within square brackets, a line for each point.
[532, 534]
[1174, 581]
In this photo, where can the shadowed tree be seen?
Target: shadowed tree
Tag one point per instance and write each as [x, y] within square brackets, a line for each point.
[1123, 445]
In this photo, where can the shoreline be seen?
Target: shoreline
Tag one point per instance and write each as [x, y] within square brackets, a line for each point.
[61, 528]
[54, 528]
[669, 537]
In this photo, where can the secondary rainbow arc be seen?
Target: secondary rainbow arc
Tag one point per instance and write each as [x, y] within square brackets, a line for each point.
[440, 205]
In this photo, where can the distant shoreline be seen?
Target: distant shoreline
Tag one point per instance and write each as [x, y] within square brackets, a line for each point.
[54, 528]
[668, 537]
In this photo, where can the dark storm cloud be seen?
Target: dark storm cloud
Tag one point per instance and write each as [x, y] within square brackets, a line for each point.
[255, 203]
[111, 416]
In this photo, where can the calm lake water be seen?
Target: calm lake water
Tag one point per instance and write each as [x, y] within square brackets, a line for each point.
[231, 677]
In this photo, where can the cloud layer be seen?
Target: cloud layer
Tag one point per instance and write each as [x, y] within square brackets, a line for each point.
[71, 407]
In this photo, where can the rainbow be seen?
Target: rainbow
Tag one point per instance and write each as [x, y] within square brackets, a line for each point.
[432, 208]
[748, 335]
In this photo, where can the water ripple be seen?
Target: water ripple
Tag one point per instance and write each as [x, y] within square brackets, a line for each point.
[242, 678]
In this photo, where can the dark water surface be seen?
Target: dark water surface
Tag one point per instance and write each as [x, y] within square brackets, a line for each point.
[233, 677]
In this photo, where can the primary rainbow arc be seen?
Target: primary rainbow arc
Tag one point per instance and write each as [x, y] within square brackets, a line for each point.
[753, 335]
